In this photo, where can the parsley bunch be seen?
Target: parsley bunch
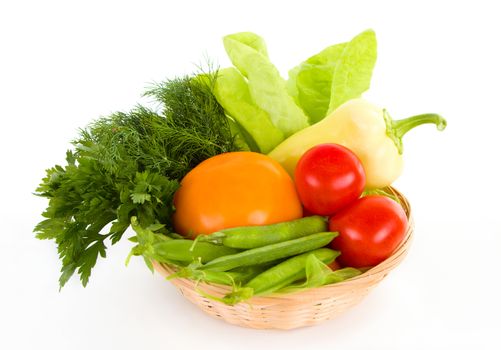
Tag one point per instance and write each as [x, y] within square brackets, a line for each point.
[129, 164]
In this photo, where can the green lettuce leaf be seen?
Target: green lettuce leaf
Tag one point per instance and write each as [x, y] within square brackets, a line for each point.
[254, 124]
[314, 81]
[333, 76]
[267, 88]
[314, 88]
[353, 71]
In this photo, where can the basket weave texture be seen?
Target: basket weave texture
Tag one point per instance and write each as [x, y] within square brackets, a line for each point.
[293, 310]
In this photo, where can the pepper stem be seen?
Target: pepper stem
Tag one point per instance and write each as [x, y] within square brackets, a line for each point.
[396, 129]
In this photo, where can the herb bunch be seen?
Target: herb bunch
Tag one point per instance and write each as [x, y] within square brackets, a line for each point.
[130, 164]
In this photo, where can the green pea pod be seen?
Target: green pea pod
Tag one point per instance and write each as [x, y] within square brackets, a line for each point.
[270, 252]
[249, 237]
[234, 277]
[180, 250]
[280, 275]
[319, 274]
[288, 271]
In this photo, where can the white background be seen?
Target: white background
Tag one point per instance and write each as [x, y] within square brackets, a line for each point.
[65, 63]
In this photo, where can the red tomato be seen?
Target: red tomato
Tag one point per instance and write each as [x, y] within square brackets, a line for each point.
[329, 177]
[370, 229]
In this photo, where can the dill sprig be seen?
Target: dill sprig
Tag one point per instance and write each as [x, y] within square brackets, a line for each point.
[130, 164]
[192, 127]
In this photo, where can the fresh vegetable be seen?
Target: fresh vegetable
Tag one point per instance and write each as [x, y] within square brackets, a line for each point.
[370, 229]
[196, 166]
[181, 250]
[266, 109]
[247, 51]
[329, 177]
[319, 273]
[234, 277]
[335, 75]
[279, 276]
[129, 164]
[271, 252]
[253, 123]
[366, 130]
[234, 189]
[145, 239]
[248, 237]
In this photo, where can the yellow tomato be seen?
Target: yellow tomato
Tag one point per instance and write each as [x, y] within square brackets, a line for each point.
[234, 189]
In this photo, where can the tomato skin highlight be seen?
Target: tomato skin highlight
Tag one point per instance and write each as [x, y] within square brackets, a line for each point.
[370, 229]
[234, 189]
[328, 177]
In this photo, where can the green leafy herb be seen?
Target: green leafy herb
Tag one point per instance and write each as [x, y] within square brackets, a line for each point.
[129, 164]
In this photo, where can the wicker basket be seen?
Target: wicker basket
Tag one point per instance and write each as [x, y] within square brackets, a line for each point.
[287, 311]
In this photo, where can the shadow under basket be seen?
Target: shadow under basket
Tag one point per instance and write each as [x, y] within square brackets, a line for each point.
[293, 310]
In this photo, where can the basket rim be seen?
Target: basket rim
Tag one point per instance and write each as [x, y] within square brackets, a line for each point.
[382, 268]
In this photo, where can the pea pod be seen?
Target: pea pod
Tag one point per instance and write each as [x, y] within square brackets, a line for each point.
[271, 252]
[248, 237]
[236, 276]
[319, 274]
[280, 275]
[180, 250]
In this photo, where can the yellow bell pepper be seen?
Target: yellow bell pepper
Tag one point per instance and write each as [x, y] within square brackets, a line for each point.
[365, 129]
